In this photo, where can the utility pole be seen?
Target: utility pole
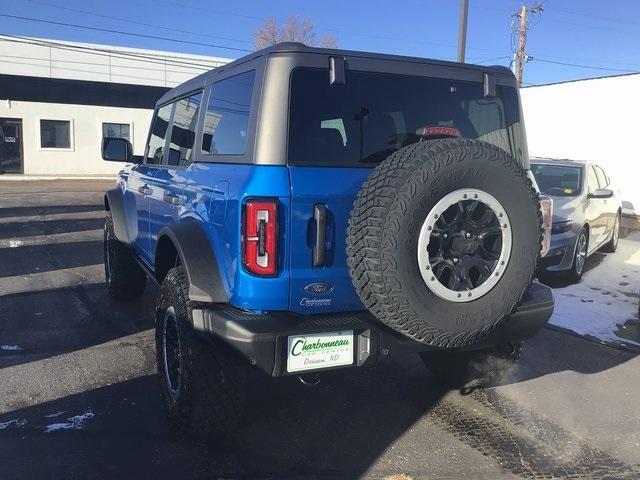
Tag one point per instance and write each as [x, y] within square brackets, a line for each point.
[523, 17]
[522, 40]
[462, 30]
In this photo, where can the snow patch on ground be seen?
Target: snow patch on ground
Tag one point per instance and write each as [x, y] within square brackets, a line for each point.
[606, 298]
[76, 422]
[16, 422]
[56, 414]
[10, 348]
[15, 243]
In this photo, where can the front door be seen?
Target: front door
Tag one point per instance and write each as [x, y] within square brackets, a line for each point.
[11, 146]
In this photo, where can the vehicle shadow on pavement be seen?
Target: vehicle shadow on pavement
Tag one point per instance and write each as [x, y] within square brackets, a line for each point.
[29, 259]
[42, 210]
[47, 323]
[50, 227]
[336, 430]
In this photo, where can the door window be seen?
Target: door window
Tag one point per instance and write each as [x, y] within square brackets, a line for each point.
[592, 180]
[155, 149]
[602, 178]
[227, 119]
[183, 130]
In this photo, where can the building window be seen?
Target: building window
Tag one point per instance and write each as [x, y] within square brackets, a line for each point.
[55, 134]
[227, 118]
[116, 130]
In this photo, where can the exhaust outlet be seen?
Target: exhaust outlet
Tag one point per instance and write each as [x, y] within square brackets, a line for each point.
[310, 380]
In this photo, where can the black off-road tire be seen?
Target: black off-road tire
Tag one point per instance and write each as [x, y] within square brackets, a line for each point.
[612, 245]
[385, 224]
[473, 369]
[125, 278]
[211, 396]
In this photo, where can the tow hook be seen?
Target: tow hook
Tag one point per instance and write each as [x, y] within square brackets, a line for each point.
[309, 380]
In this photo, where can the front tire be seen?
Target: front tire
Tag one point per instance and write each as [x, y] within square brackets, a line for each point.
[612, 245]
[124, 277]
[202, 383]
[579, 256]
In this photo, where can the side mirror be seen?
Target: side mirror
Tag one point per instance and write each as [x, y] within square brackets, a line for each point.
[601, 193]
[117, 150]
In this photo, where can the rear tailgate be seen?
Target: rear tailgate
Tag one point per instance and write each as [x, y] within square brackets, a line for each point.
[327, 286]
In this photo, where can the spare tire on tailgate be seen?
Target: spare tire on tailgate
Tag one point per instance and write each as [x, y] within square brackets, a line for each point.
[443, 240]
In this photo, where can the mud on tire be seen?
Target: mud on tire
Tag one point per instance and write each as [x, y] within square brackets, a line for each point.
[208, 398]
[386, 221]
[125, 278]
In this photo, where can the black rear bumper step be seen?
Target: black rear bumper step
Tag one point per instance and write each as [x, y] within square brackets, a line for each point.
[262, 338]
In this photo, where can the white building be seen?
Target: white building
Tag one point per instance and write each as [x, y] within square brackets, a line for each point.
[593, 119]
[58, 99]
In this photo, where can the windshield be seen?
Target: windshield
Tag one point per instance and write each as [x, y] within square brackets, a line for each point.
[558, 180]
[375, 114]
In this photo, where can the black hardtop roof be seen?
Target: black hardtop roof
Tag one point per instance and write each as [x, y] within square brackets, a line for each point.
[294, 47]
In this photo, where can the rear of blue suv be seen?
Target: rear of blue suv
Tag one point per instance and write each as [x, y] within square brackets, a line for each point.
[307, 209]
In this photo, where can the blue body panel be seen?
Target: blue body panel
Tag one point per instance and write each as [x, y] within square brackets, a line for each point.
[213, 193]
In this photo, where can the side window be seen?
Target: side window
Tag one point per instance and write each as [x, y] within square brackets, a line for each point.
[592, 180]
[159, 127]
[227, 119]
[183, 130]
[602, 178]
[116, 130]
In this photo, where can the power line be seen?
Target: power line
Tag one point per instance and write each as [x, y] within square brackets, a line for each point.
[120, 32]
[592, 67]
[134, 22]
[160, 60]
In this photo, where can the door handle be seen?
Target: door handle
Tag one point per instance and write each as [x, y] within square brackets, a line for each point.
[173, 198]
[145, 190]
[320, 249]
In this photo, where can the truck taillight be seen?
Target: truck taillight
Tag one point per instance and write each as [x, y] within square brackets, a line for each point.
[260, 237]
[546, 205]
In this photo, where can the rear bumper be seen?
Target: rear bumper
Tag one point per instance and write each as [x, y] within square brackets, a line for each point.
[262, 338]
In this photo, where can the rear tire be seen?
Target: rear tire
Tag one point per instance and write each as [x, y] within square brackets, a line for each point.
[202, 383]
[612, 245]
[472, 369]
[124, 277]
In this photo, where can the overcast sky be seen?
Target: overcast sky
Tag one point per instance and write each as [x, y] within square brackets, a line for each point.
[589, 33]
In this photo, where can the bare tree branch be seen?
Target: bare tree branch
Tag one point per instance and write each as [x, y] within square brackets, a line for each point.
[292, 30]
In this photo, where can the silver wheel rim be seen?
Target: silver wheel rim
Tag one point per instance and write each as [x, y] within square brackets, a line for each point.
[581, 253]
[616, 230]
[434, 259]
[172, 353]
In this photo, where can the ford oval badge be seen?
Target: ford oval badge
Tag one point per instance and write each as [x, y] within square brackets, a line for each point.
[318, 288]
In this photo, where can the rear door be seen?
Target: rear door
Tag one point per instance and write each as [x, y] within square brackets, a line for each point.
[169, 200]
[339, 132]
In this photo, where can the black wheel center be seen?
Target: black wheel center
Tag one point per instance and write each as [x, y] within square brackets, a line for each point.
[465, 245]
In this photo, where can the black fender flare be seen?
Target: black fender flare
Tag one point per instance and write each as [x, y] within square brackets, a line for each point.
[125, 229]
[198, 259]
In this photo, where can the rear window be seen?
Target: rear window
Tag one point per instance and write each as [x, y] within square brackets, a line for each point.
[374, 114]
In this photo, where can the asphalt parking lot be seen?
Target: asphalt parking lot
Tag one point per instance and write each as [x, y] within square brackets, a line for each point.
[79, 399]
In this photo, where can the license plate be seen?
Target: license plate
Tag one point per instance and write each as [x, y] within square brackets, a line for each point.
[324, 350]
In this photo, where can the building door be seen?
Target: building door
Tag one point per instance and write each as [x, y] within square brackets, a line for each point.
[11, 146]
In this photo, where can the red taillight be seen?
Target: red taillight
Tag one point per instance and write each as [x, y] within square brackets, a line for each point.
[260, 236]
[546, 205]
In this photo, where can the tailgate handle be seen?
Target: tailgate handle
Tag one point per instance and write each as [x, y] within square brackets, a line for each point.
[320, 249]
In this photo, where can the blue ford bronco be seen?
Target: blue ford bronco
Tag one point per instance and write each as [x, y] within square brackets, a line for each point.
[306, 209]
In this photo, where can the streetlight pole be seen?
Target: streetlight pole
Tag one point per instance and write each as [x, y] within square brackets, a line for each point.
[462, 30]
